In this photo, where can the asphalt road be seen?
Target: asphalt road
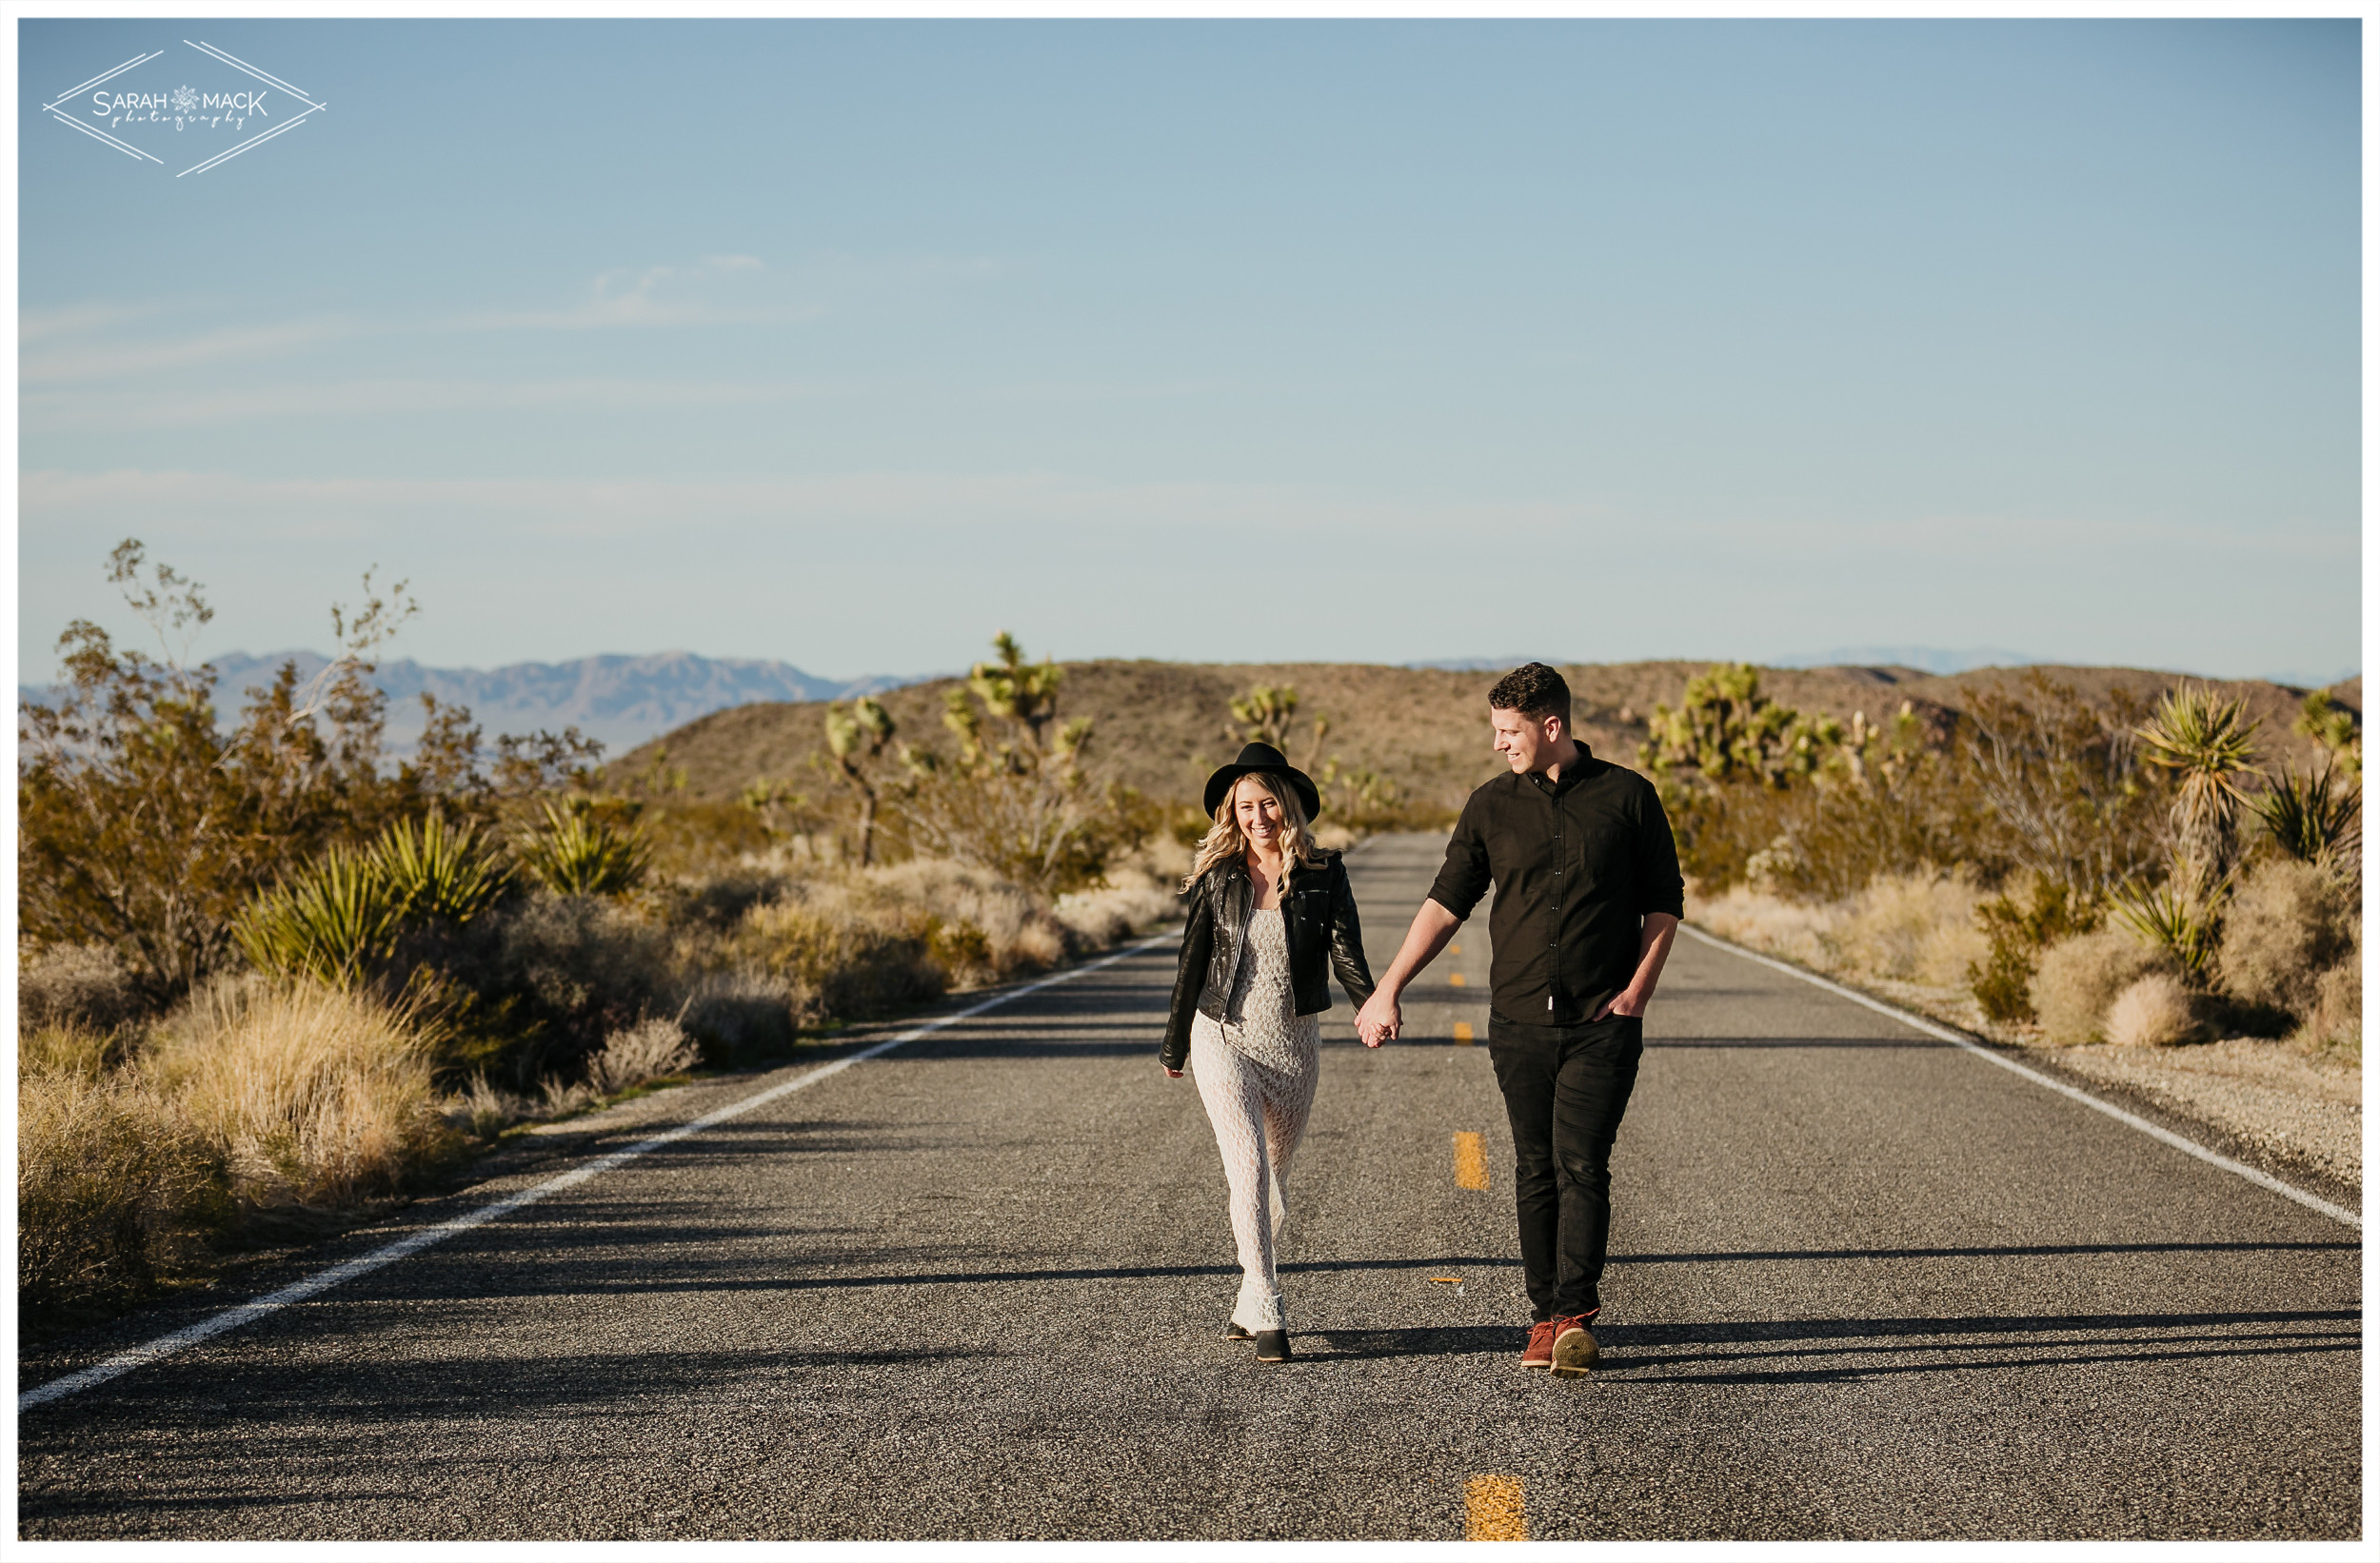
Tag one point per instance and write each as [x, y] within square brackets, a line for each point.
[1865, 1285]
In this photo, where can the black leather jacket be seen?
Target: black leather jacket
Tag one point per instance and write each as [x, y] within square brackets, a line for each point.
[1324, 936]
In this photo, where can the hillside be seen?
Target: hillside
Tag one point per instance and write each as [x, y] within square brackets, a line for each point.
[1163, 726]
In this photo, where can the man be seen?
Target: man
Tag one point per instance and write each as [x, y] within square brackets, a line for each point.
[1588, 898]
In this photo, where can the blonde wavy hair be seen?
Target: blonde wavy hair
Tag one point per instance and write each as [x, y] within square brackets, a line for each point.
[1223, 840]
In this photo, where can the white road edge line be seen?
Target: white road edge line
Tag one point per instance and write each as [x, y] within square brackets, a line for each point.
[247, 1313]
[2154, 1132]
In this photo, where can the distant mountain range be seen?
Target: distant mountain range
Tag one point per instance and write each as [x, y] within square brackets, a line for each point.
[622, 700]
[1926, 659]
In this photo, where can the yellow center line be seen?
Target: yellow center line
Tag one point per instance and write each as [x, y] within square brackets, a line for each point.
[1462, 1033]
[1453, 980]
[1492, 1510]
[1454, 949]
[1470, 1162]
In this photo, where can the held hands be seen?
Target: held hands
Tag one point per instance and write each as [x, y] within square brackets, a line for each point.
[1379, 1019]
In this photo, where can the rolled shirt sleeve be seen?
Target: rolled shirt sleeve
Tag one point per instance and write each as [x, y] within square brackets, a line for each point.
[1661, 888]
[1464, 876]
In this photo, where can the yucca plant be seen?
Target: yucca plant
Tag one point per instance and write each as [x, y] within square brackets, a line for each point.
[2172, 919]
[331, 919]
[440, 870]
[2210, 745]
[2310, 817]
[578, 855]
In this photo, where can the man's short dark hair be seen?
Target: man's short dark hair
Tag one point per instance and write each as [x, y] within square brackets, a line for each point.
[1534, 690]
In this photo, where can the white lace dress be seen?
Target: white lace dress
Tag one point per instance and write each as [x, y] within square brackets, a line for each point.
[1255, 1072]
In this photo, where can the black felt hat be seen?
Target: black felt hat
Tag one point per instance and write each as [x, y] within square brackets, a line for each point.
[1263, 757]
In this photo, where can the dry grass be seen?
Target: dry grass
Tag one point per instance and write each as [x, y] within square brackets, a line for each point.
[2335, 1024]
[2287, 925]
[299, 1099]
[2154, 1010]
[317, 1096]
[1795, 930]
[651, 1050]
[111, 1181]
[2078, 979]
[1135, 898]
[72, 986]
[67, 1050]
[1913, 928]
[1916, 928]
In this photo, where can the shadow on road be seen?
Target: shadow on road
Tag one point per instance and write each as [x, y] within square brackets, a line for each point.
[1794, 1253]
[2025, 1341]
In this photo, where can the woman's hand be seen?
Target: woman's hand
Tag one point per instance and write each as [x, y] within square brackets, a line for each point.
[1171, 1074]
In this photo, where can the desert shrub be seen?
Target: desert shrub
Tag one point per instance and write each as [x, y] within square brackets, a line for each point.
[78, 986]
[742, 1013]
[718, 902]
[2155, 1010]
[851, 966]
[1134, 900]
[2064, 790]
[1915, 927]
[990, 927]
[2336, 1022]
[315, 1095]
[2002, 980]
[2077, 980]
[576, 968]
[482, 1110]
[111, 1182]
[1795, 930]
[2287, 922]
[652, 1049]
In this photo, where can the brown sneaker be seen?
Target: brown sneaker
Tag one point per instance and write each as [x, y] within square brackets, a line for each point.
[1573, 1349]
[1539, 1352]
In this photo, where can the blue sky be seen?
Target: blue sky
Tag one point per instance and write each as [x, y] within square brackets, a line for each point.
[848, 344]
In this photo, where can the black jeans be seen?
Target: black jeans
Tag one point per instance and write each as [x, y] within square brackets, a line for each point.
[1565, 1088]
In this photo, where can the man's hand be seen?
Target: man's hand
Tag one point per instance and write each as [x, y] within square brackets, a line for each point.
[1652, 952]
[1171, 1074]
[1627, 1002]
[1380, 1020]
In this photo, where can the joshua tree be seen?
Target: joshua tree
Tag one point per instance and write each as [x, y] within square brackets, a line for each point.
[857, 739]
[1014, 799]
[1727, 730]
[1265, 714]
[1014, 691]
[2334, 728]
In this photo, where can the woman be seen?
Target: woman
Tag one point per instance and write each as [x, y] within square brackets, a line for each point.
[1271, 917]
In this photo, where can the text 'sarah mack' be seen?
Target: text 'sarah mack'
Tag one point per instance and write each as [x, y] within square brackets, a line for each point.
[179, 105]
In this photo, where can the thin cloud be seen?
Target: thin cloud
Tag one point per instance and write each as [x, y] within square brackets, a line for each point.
[125, 359]
[35, 324]
[718, 289]
[68, 409]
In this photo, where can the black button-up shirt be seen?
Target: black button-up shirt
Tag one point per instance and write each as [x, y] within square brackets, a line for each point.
[1577, 864]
